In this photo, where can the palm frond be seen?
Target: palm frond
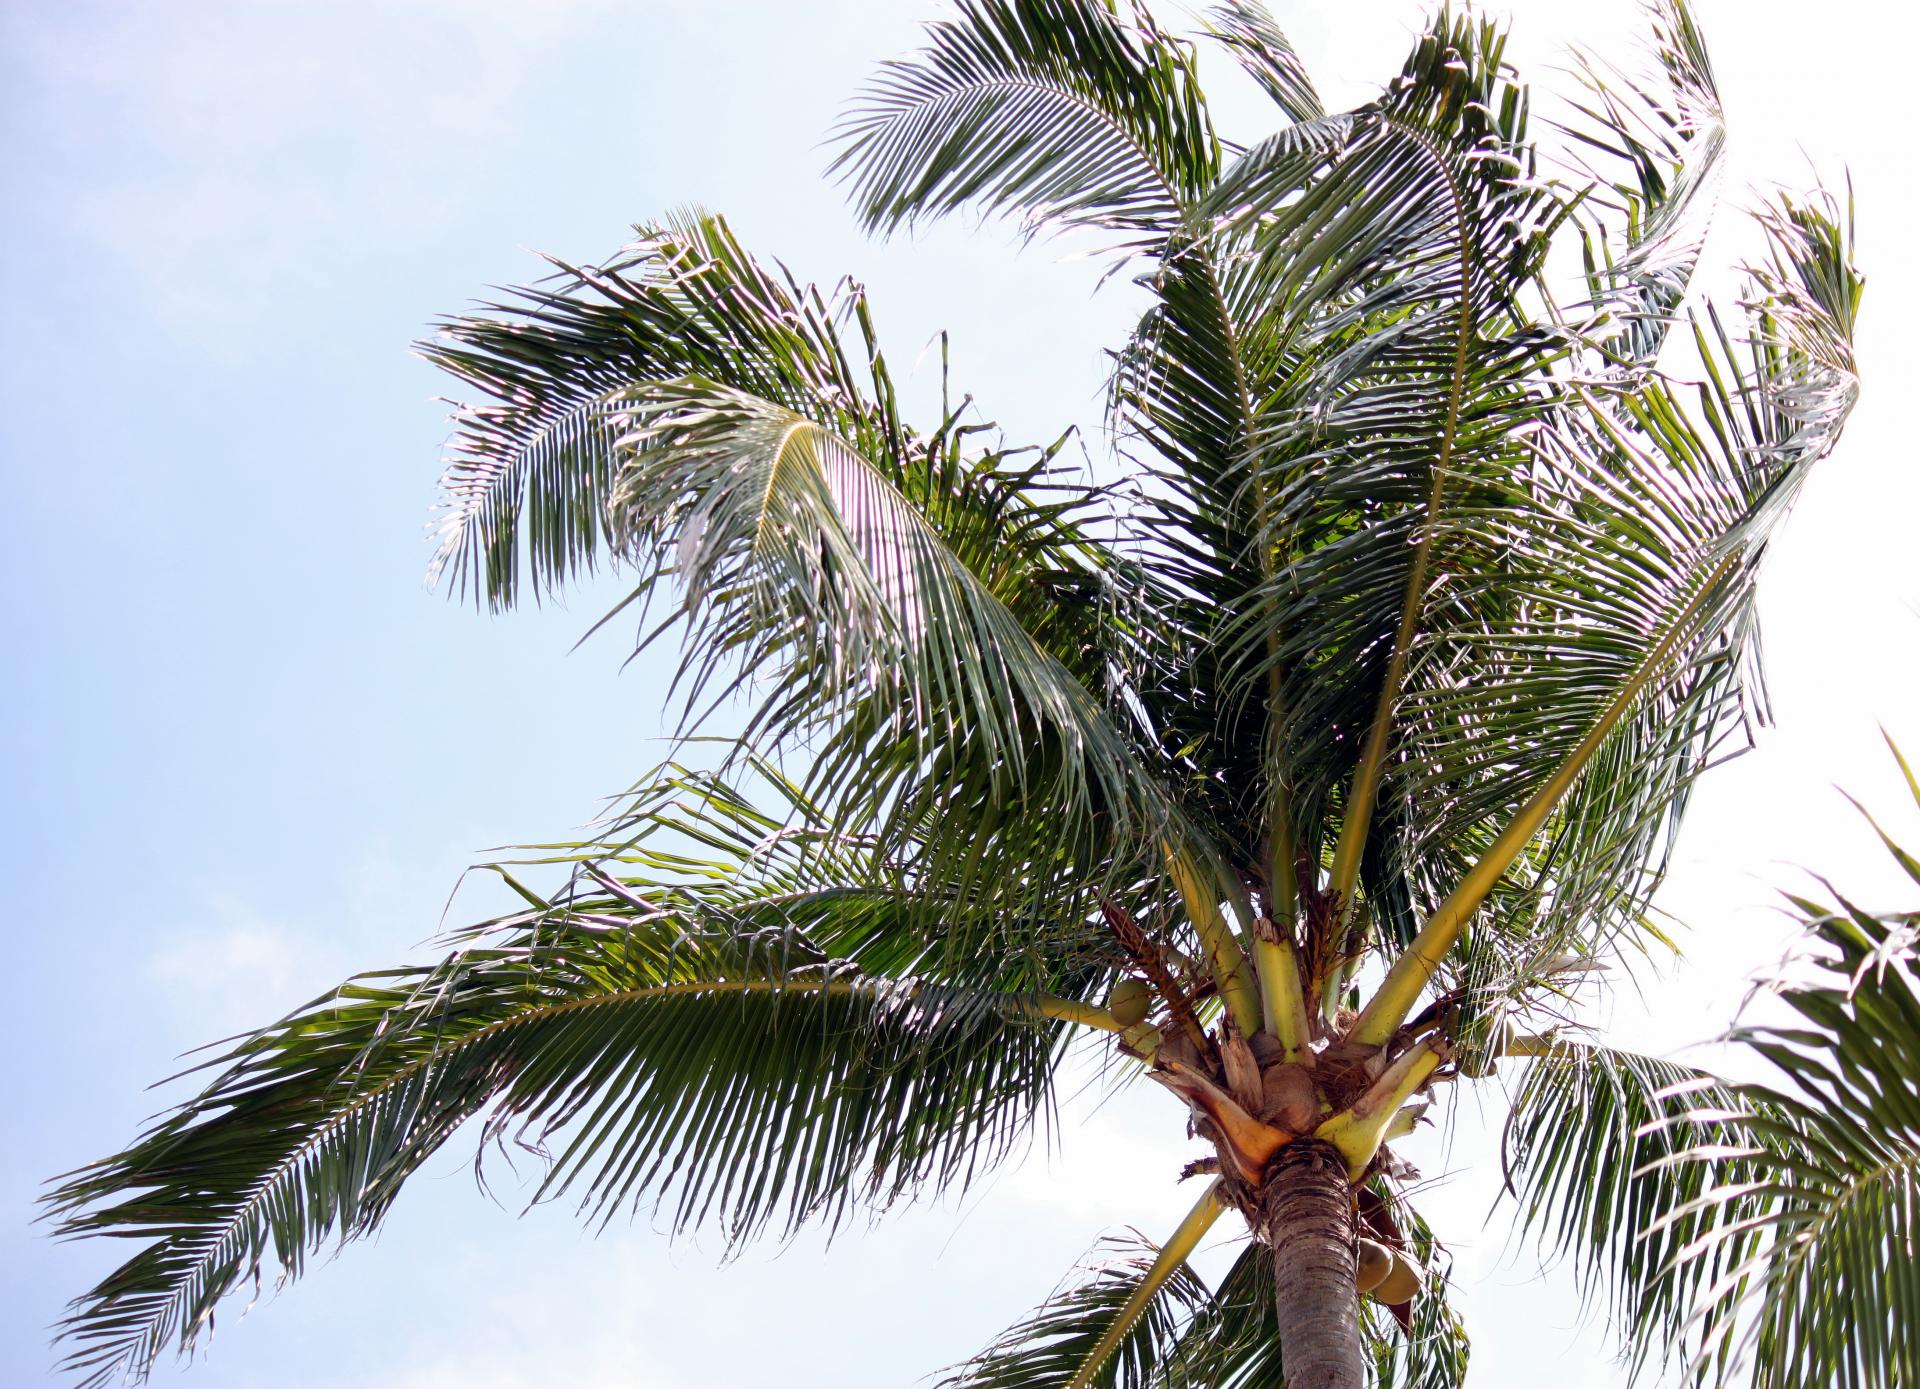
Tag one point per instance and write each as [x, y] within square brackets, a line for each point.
[1109, 1327]
[1249, 32]
[1183, 394]
[1823, 1287]
[938, 620]
[1401, 238]
[532, 464]
[1304, 377]
[1649, 150]
[1591, 1148]
[1065, 113]
[702, 1038]
[807, 570]
[1608, 644]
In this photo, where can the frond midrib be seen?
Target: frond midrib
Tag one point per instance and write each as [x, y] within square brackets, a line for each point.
[1346, 866]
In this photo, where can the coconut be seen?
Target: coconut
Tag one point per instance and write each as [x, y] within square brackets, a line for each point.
[1130, 1001]
[1373, 1263]
[1288, 1099]
[1401, 1283]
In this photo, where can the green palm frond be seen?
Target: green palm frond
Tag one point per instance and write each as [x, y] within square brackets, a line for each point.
[533, 462]
[758, 848]
[1425, 369]
[1831, 1294]
[1064, 113]
[939, 621]
[1304, 376]
[1406, 359]
[1592, 1149]
[1068, 1342]
[1649, 151]
[1251, 35]
[1182, 395]
[677, 1037]
[1610, 644]
[807, 569]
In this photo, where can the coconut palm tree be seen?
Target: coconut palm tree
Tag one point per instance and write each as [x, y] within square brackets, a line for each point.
[1303, 760]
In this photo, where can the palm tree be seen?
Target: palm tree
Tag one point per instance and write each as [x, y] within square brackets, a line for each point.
[1303, 765]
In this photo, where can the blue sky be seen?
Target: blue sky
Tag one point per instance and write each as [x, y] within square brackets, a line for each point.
[247, 752]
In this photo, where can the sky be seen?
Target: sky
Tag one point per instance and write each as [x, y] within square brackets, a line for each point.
[247, 752]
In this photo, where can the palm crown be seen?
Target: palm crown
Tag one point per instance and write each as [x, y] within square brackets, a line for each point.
[1308, 759]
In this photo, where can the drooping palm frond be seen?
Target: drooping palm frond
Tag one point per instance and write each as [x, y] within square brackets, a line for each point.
[1649, 149]
[1249, 32]
[938, 621]
[759, 848]
[532, 463]
[1590, 1150]
[1822, 1284]
[737, 1036]
[808, 569]
[1062, 112]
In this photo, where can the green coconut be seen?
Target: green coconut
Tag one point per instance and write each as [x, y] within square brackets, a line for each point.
[1130, 1001]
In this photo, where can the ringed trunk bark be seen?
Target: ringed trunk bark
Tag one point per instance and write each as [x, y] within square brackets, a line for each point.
[1306, 1219]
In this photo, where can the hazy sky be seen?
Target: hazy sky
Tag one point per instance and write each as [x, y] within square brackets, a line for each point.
[247, 753]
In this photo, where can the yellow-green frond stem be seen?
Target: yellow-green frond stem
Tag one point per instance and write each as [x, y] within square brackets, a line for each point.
[1359, 1129]
[1906, 770]
[1356, 924]
[1173, 1253]
[1345, 871]
[1281, 1000]
[1408, 976]
[1545, 1044]
[1070, 1010]
[1142, 1039]
[1224, 957]
[1283, 890]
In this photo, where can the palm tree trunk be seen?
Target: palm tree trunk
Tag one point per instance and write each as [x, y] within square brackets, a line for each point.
[1306, 1219]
